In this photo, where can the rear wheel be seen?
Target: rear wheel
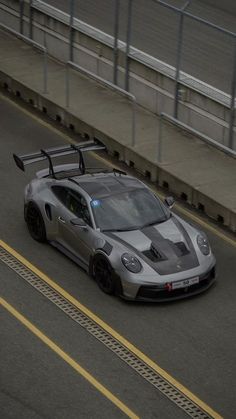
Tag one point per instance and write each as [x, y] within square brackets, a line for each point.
[104, 275]
[35, 223]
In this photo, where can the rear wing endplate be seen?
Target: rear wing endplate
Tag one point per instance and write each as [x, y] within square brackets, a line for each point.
[49, 153]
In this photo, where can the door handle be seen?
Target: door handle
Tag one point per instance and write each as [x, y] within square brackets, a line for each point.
[61, 220]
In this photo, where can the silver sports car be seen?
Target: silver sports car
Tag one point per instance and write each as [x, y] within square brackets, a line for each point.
[115, 228]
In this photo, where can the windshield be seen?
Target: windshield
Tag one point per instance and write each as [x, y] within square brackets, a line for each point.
[128, 211]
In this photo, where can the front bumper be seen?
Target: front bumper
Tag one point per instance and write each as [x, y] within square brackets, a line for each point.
[155, 293]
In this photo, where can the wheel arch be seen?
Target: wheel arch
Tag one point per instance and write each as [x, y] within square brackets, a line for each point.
[33, 204]
[102, 254]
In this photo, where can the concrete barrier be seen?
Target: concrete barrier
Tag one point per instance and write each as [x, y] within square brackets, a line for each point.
[155, 172]
[203, 107]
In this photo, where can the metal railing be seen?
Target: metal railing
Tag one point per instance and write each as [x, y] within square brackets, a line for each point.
[36, 45]
[108, 84]
[205, 138]
[182, 12]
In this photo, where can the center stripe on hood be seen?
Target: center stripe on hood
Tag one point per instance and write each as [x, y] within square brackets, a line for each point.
[171, 262]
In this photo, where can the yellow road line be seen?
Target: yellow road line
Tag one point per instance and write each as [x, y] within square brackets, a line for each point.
[66, 137]
[68, 359]
[111, 331]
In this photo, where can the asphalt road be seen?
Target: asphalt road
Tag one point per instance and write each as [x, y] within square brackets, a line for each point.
[207, 53]
[193, 340]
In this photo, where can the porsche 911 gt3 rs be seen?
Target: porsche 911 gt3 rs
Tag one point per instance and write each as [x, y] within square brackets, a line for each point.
[115, 228]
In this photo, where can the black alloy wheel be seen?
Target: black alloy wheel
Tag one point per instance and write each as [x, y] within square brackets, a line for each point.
[103, 275]
[35, 223]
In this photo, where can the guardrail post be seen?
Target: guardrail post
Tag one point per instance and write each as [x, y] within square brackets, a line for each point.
[179, 56]
[116, 31]
[232, 103]
[30, 19]
[67, 86]
[159, 148]
[21, 6]
[128, 36]
[133, 122]
[45, 72]
[71, 29]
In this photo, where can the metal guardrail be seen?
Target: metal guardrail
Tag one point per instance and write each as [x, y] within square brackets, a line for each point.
[181, 78]
[108, 84]
[135, 54]
[34, 44]
[191, 130]
[182, 13]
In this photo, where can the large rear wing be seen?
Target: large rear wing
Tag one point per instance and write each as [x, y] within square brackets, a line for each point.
[49, 153]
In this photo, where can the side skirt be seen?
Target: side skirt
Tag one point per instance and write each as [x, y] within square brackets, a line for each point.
[70, 255]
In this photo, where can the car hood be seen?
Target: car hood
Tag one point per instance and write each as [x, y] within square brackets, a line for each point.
[166, 247]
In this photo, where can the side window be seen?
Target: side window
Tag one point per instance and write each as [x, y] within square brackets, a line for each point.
[73, 202]
[77, 204]
[60, 192]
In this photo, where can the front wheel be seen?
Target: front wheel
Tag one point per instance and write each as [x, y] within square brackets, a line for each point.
[104, 276]
[35, 223]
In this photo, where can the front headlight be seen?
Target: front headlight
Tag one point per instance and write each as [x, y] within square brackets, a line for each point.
[131, 263]
[203, 244]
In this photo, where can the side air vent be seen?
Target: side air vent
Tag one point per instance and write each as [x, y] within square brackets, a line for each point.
[48, 212]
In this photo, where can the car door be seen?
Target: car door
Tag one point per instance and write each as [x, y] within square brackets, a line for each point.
[78, 240]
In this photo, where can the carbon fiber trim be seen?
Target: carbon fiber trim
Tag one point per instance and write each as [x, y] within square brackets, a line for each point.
[170, 261]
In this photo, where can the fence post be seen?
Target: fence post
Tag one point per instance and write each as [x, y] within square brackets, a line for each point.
[159, 148]
[67, 86]
[45, 72]
[232, 103]
[128, 36]
[116, 31]
[71, 29]
[133, 122]
[30, 19]
[21, 5]
[178, 60]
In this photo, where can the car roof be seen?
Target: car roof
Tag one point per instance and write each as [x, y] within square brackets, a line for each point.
[100, 185]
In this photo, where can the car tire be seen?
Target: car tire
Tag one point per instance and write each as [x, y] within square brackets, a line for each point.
[104, 275]
[35, 223]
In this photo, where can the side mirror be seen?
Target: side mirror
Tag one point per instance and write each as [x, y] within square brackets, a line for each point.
[169, 201]
[78, 222]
